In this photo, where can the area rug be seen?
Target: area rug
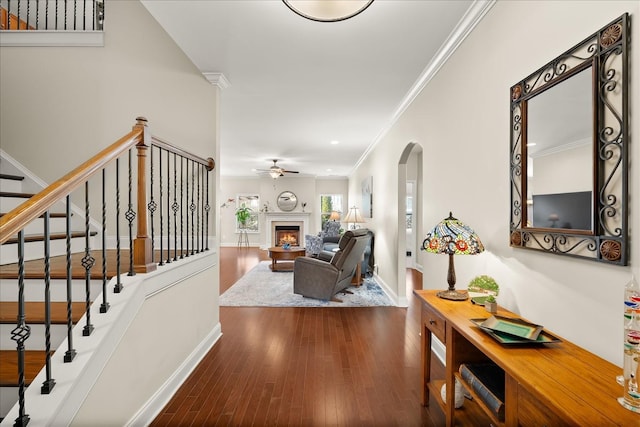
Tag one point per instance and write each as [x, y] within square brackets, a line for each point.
[261, 287]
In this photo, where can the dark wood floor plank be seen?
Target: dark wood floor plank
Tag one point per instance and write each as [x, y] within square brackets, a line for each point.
[306, 366]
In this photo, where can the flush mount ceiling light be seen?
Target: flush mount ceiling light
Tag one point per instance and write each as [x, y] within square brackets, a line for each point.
[327, 10]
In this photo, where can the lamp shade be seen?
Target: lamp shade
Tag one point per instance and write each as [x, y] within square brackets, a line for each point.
[335, 216]
[353, 216]
[452, 237]
[274, 174]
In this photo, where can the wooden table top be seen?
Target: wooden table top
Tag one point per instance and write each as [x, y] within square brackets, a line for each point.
[566, 375]
[280, 249]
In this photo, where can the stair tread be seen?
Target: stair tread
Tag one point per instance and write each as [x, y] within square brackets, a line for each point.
[16, 194]
[11, 177]
[34, 269]
[34, 312]
[34, 361]
[53, 236]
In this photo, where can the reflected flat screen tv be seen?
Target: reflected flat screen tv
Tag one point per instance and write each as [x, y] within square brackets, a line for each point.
[563, 210]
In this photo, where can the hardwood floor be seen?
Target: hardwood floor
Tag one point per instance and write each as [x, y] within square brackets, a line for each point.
[305, 366]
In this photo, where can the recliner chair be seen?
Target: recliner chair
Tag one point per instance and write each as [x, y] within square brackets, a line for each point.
[319, 279]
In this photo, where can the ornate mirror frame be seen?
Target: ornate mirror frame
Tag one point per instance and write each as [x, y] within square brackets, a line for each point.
[606, 54]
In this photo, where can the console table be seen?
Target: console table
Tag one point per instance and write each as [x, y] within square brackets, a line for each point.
[551, 384]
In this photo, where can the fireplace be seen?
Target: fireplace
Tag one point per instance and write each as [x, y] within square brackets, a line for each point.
[273, 219]
[287, 234]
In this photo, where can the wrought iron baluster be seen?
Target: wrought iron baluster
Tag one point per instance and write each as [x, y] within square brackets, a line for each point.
[87, 262]
[8, 14]
[130, 215]
[207, 209]
[37, 15]
[152, 208]
[70, 354]
[65, 14]
[84, 14]
[104, 307]
[175, 207]
[198, 204]
[168, 208]
[56, 20]
[28, 13]
[181, 208]
[187, 210]
[192, 206]
[49, 382]
[160, 210]
[20, 334]
[46, 15]
[117, 288]
[75, 13]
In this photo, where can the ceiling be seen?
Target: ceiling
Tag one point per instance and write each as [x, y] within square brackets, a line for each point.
[296, 85]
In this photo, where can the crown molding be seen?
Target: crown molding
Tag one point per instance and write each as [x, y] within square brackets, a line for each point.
[217, 79]
[467, 23]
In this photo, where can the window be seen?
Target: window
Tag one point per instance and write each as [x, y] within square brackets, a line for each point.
[329, 203]
[252, 202]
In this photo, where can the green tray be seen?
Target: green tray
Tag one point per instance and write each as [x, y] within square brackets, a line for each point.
[507, 339]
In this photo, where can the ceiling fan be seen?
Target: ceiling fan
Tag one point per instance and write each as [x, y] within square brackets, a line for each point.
[276, 171]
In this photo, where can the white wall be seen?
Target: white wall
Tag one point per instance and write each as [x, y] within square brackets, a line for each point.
[461, 119]
[61, 105]
[170, 326]
[305, 188]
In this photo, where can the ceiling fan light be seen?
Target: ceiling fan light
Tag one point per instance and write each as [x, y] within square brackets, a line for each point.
[275, 174]
[327, 10]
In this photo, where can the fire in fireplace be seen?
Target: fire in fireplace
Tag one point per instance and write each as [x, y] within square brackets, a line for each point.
[287, 234]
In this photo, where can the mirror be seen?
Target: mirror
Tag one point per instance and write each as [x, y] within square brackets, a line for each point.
[559, 155]
[287, 201]
[569, 179]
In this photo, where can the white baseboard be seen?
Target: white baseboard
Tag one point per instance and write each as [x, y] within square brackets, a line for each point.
[163, 395]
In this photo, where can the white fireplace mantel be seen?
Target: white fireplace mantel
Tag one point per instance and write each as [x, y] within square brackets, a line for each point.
[271, 217]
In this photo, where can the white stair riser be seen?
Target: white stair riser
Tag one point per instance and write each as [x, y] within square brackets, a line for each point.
[9, 203]
[11, 185]
[34, 290]
[35, 340]
[35, 250]
[56, 225]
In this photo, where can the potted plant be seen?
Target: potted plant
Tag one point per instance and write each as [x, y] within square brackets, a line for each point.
[490, 304]
[487, 286]
[243, 213]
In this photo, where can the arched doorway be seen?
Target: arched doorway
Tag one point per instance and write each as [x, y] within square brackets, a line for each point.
[409, 212]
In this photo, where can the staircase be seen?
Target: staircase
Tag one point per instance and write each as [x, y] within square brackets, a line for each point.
[62, 268]
[11, 195]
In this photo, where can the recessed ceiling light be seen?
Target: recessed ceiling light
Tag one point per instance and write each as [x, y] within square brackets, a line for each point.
[329, 170]
[334, 142]
[531, 144]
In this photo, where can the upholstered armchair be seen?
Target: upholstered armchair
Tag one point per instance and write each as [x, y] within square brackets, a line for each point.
[319, 279]
[314, 244]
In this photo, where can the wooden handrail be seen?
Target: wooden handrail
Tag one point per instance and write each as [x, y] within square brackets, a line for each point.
[140, 137]
[31, 209]
[209, 162]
